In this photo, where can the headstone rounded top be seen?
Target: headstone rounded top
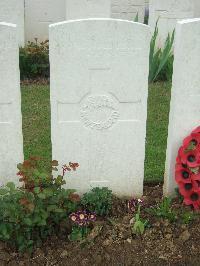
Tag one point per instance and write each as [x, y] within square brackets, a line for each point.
[190, 20]
[8, 24]
[121, 21]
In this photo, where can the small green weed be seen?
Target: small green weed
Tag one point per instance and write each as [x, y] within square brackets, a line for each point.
[164, 210]
[139, 225]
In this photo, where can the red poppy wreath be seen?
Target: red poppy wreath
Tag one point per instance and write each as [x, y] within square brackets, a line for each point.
[187, 173]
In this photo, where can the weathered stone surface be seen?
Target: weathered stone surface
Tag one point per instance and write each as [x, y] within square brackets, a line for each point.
[128, 9]
[99, 86]
[80, 9]
[12, 11]
[39, 14]
[185, 107]
[11, 143]
[169, 12]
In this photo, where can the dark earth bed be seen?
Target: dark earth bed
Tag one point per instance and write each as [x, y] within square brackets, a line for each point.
[112, 243]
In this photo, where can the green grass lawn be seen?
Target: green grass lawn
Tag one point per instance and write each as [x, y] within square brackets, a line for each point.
[157, 130]
[36, 126]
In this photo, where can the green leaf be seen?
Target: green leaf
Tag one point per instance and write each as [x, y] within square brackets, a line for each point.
[51, 208]
[59, 210]
[41, 195]
[48, 192]
[42, 222]
[76, 234]
[11, 186]
[3, 191]
[159, 59]
[28, 221]
[37, 190]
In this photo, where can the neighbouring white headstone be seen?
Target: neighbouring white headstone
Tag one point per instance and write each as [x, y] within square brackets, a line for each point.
[11, 141]
[185, 99]
[80, 9]
[197, 8]
[128, 9]
[99, 87]
[39, 14]
[12, 11]
[169, 12]
[147, 4]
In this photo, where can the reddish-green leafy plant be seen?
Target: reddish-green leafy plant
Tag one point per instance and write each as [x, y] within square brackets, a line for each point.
[31, 213]
[34, 60]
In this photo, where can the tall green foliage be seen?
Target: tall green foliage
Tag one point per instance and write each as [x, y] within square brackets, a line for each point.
[161, 60]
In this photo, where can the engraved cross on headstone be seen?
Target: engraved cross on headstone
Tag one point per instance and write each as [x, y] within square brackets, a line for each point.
[125, 111]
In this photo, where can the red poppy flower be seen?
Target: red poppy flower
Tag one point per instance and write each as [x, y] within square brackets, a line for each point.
[185, 189]
[180, 166]
[178, 160]
[196, 130]
[187, 169]
[196, 185]
[191, 158]
[181, 153]
[195, 176]
[193, 199]
[191, 141]
[182, 175]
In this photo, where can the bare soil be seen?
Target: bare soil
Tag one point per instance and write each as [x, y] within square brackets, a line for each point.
[111, 242]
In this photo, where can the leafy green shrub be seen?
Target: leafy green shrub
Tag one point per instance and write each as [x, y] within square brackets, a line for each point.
[34, 60]
[98, 200]
[31, 213]
[161, 60]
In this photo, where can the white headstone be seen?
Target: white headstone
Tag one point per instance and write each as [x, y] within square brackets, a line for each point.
[169, 12]
[99, 87]
[197, 8]
[11, 143]
[128, 9]
[39, 14]
[80, 9]
[185, 99]
[147, 3]
[12, 11]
